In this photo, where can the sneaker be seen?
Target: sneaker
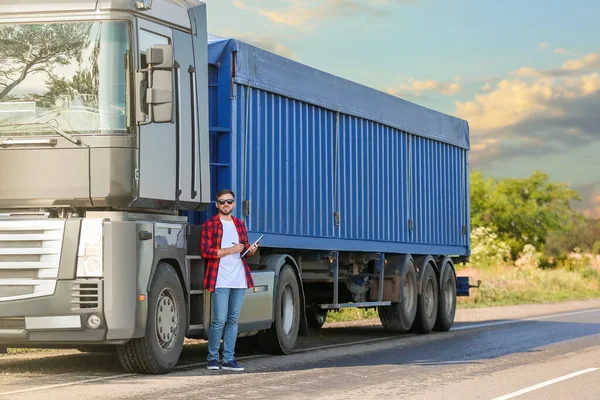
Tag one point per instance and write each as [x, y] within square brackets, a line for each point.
[232, 366]
[213, 364]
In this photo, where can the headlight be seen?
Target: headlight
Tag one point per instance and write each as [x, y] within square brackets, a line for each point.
[89, 257]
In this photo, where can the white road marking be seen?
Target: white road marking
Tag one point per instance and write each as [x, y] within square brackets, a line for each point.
[366, 341]
[544, 384]
[59, 385]
[516, 321]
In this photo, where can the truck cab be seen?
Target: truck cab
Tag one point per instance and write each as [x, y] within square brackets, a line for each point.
[103, 145]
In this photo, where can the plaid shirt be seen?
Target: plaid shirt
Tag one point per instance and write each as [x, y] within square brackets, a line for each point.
[210, 243]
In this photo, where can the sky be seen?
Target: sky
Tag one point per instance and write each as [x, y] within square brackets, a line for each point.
[525, 75]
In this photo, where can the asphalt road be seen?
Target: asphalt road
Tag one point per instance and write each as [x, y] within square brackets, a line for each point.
[547, 357]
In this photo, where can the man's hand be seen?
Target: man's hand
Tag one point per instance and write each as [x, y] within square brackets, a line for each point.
[252, 250]
[236, 248]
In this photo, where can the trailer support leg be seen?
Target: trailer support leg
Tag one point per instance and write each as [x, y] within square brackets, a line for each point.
[380, 266]
[336, 276]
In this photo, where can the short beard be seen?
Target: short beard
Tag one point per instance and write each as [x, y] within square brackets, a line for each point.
[225, 213]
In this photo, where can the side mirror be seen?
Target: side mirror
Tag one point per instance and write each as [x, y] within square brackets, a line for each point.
[155, 85]
[160, 56]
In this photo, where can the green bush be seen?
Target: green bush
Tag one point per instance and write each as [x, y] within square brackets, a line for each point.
[486, 249]
[596, 248]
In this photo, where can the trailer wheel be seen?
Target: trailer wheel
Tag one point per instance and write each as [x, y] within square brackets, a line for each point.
[447, 300]
[159, 350]
[316, 317]
[399, 317]
[281, 337]
[428, 302]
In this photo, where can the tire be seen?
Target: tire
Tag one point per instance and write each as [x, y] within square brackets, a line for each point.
[399, 317]
[281, 337]
[427, 308]
[316, 317]
[158, 351]
[446, 300]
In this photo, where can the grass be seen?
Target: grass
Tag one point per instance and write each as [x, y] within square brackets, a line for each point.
[510, 285]
[12, 351]
[351, 314]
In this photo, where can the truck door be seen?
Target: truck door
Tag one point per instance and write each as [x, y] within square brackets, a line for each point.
[157, 142]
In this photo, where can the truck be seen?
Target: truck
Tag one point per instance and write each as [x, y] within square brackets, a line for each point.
[119, 122]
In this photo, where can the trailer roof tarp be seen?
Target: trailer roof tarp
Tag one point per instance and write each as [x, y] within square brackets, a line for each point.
[267, 71]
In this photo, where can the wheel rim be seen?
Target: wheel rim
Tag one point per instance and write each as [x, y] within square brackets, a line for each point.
[448, 297]
[287, 309]
[408, 295]
[167, 318]
[429, 298]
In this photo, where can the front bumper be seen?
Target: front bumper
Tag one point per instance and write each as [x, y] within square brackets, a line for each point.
[59, 319]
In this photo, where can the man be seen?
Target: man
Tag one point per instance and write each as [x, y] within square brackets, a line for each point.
[224, 238]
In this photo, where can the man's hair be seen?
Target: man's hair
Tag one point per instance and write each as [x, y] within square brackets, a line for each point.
[224, 192]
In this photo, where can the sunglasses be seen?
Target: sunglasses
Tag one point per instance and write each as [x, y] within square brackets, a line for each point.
[228, 201]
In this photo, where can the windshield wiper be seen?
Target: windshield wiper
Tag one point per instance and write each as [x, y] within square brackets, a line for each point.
[62, 133]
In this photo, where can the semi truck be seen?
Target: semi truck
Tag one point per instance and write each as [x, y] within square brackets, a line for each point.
[119, 122]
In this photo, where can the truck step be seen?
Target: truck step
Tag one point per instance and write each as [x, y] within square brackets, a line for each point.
[196, 328]
[355, 305]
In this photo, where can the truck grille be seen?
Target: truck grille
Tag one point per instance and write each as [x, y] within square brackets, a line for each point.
[29, 257]
[85, 296]
[12, 323]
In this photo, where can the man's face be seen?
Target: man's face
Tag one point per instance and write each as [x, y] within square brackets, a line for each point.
[225, 204]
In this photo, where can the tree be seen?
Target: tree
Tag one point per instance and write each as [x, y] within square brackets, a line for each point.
[584, 234]
[27, 49]
[481, 194]
[522, 211]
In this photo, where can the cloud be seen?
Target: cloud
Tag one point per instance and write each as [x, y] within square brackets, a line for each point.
[573, 67]
[533, 94]
[267, 43]
[543, 45]
[564, 51]
[240, 4]
[301, 12]
[590, 61]
[419, 87]
[262, 41]
[535, 112]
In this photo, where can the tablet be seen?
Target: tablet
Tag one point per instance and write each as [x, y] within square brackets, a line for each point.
[257, 240]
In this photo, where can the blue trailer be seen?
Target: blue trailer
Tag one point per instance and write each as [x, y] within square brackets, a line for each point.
[354, 189]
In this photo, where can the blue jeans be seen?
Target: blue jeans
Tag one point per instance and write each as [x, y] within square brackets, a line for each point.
[226, 307]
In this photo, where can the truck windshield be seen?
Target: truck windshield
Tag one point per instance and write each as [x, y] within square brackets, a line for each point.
[68, 76]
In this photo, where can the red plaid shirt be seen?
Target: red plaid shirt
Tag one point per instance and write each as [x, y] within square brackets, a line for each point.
[210, 243]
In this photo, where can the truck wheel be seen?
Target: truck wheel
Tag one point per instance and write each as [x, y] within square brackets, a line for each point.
[281, 337]
[316, 317]
[159, 350]
[399, 317]
[447, 300]
[428, 302]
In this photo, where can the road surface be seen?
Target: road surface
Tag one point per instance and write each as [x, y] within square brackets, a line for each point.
[554, 356]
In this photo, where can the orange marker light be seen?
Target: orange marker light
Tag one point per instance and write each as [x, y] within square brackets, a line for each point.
[142, 297]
